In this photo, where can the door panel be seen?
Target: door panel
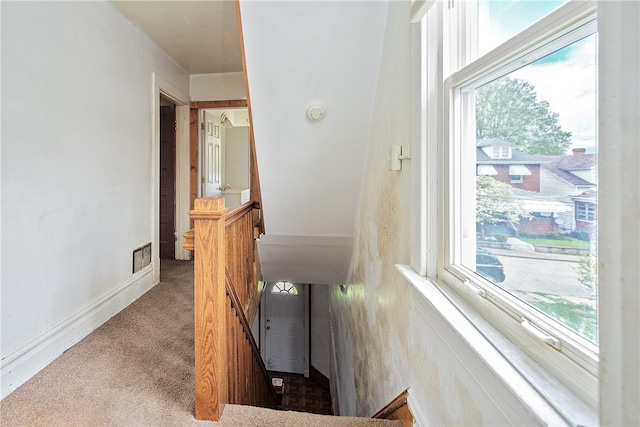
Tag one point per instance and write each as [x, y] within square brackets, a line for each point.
[167, 182]
[212, 158]
[285, 331]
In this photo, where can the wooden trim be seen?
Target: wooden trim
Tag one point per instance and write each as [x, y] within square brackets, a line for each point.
[319, 377]
[254, 178]
[235, 302]
[211, 387]
[194, 135]
[397, 409]
[234, 103]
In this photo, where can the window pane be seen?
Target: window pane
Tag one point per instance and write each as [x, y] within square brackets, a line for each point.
[498, 20]
[536, 216]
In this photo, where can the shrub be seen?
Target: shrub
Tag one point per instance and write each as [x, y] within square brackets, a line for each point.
[552, 235]
[502, 238]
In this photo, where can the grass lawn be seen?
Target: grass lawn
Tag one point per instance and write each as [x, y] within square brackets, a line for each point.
[582, 318]
[569, 243]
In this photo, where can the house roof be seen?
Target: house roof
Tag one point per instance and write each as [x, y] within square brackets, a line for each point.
[561, 166]
[516, 157]
[494, 142]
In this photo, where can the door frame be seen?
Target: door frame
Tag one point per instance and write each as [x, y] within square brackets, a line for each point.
[307, 324]
[181, 100]
[195, 142]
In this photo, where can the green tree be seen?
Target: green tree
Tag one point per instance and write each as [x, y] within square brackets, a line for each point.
[510, 109]
[496, 204]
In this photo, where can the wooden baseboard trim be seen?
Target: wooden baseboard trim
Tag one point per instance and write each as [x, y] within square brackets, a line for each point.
[397, 409]
[319, 377]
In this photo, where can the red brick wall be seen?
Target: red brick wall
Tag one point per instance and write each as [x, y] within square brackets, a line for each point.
[537, 226]
[530, 182]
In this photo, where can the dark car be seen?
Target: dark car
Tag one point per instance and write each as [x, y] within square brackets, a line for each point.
[489, 266]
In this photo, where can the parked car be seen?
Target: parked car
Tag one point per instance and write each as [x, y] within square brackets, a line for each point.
[489, 266]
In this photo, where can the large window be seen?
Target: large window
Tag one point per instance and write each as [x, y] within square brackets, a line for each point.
[520, 90]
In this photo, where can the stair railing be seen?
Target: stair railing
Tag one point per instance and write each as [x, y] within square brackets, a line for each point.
[228, 365]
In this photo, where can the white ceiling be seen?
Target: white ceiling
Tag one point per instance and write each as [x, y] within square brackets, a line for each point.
[201, 36]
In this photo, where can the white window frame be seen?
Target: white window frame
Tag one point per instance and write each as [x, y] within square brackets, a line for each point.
[559, 352]
[585, 211]
[516, 179]
[500, 152]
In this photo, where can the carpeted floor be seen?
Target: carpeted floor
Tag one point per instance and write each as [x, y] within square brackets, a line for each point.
[137, 370]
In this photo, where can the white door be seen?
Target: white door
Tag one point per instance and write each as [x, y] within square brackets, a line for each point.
[211, 155]
[285, 327]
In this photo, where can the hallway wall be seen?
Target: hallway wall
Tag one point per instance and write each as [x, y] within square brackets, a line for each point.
[77, 173]
[384, 340]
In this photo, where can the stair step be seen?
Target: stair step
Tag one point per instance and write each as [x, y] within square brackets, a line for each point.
[248, 416]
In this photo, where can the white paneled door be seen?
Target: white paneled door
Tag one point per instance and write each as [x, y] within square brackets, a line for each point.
[285, 327]
[211, 156]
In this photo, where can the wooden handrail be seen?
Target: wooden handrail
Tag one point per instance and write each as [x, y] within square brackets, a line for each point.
[228, 365]
[233, 296]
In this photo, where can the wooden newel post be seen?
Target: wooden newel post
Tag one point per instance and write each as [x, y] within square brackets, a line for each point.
[209, 307]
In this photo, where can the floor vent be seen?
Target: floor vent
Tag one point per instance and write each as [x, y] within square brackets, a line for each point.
[141, 257]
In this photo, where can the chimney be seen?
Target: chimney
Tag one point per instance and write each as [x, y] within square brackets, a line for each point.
[579, 151]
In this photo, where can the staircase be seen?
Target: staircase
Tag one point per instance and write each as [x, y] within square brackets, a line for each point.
[246, 416]
[232, 384]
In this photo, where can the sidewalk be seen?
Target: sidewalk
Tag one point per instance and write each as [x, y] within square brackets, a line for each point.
[533, 255]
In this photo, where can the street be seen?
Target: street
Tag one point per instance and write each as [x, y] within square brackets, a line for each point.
[527, 272]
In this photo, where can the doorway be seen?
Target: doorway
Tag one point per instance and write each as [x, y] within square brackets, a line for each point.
[224, 152]
[167, 179]
[286, 326]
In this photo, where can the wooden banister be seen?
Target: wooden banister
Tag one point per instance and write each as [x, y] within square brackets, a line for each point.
[209, 307]
[228, 365]
[259, 372]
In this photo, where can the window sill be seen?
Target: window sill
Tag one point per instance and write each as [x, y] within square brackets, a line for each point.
[551, 401]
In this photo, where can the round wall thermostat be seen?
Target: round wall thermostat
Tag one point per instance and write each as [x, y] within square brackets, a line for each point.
[315, 112]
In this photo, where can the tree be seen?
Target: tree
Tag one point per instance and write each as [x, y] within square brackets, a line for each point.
[495, 203]
[510, 109]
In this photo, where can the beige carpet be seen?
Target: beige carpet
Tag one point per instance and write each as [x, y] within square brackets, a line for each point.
[137, 370]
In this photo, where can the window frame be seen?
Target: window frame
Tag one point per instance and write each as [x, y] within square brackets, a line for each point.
[585, 211]
[561, 352]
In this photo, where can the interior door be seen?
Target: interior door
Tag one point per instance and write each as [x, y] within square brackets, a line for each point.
[285, 328]
[167, 197]
[212, 155]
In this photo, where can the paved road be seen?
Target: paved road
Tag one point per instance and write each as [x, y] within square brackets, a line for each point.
[537, 272]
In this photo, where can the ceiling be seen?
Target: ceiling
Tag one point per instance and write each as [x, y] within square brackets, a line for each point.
[201, 36]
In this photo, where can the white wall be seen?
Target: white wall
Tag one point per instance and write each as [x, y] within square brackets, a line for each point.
[236, 157]
[388, 337]
[320, 333]
[77, 173]
[217, 87]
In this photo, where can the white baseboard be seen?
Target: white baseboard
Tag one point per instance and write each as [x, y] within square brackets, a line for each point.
[27, 361]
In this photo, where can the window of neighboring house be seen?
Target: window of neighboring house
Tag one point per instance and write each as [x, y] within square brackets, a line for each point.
[516, 179]
[585, 211]
[500, 152]
[537, 91]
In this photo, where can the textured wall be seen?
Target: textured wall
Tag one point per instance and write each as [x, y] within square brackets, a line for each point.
[370, 315]
[386, 337]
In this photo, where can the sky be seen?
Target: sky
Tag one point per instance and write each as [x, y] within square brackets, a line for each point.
[566, 79]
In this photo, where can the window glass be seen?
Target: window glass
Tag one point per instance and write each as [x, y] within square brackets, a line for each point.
[536, 216]
[498, 20]
[284, 288]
